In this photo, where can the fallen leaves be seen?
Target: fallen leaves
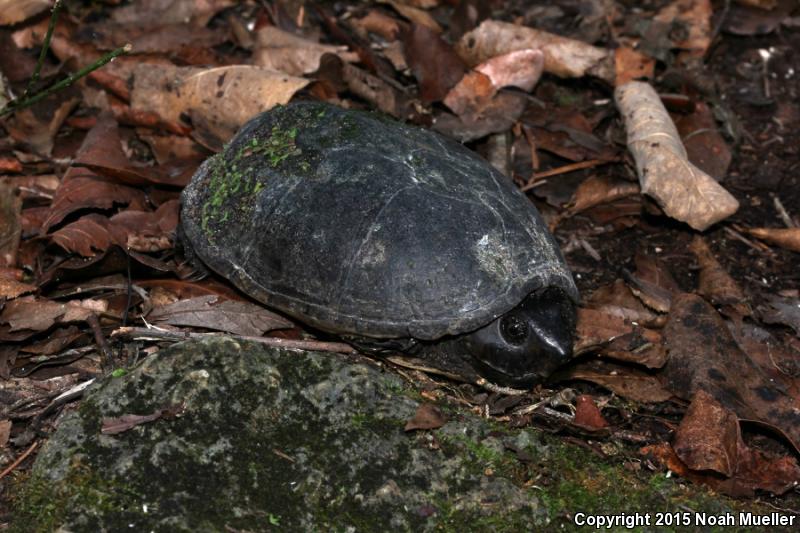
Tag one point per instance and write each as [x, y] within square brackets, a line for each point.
[435, 78]
[282, 51]
[709, 440]
[563, 57]
[788, 238]
[685, 192]
[237, 317]
[223, 98]
[13, 11]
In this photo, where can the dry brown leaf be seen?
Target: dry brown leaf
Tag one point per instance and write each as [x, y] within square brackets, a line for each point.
[36, 126]
[149, 13]
[703, 355]
[10, 225]
[415, 15]
[587, 414]
[470, 95]
[28, 313]
[618, 300]
[11, 288]
[499, 115]
[286, 52]
[13, 11]
[428, 416]
[57, 341]
[622, 380]
[373, 89]
[39, 187]
[694, 16]
[653, 270]
[788, 238]
[630, 65]
[239, 318]
[226, 97]
[715, 283]
[437, 77]
[704, 145]
[596, 328]
[81, 189]
[597, 190]
[521, 68]
[642, 346]
[378, 23]
[708, 437]
[10, 164]
[102, 152]
[762, 4]
[563, 57]
[784, 311]
[5, 432]
[685, 192]
[84, 236]
[146, 231]
[475, 93]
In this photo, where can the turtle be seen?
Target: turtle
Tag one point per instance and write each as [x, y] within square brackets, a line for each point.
[388, 236]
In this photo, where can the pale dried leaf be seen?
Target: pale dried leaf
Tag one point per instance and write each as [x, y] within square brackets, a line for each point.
[13, 11]
[683, 191]
[224, 96]
[38, 315]
[415, 15]
[240, 318]
[286, 52]
[566, 58]
[788, 238]
[521, 68]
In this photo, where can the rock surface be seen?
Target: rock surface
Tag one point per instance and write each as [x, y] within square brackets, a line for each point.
[273, 439]
[301, 441]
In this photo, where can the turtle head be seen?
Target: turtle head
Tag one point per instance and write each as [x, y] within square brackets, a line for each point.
[525, 345]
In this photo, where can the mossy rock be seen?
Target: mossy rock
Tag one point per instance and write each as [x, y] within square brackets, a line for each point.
[271, 439]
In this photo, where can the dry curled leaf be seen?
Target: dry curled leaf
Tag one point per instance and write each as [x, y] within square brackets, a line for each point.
[13, 11]
[566, 58]
[587, 414]
[714, 282]
[286, 52]
[788, 238]
[437, 77]
[225, 97]
[683, 191]
[708, 436]
[237, 317]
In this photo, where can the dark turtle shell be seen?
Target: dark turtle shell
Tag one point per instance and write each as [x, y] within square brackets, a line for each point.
[357, 224]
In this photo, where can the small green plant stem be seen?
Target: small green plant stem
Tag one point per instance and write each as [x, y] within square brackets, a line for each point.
[66, 82]
[45, 47]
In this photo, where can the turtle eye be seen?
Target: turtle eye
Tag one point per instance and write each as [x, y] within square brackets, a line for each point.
[514, 330]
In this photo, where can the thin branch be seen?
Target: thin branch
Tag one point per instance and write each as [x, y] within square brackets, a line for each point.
[19, 460]
[295, 344]
[72, 78]
[45, 47]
